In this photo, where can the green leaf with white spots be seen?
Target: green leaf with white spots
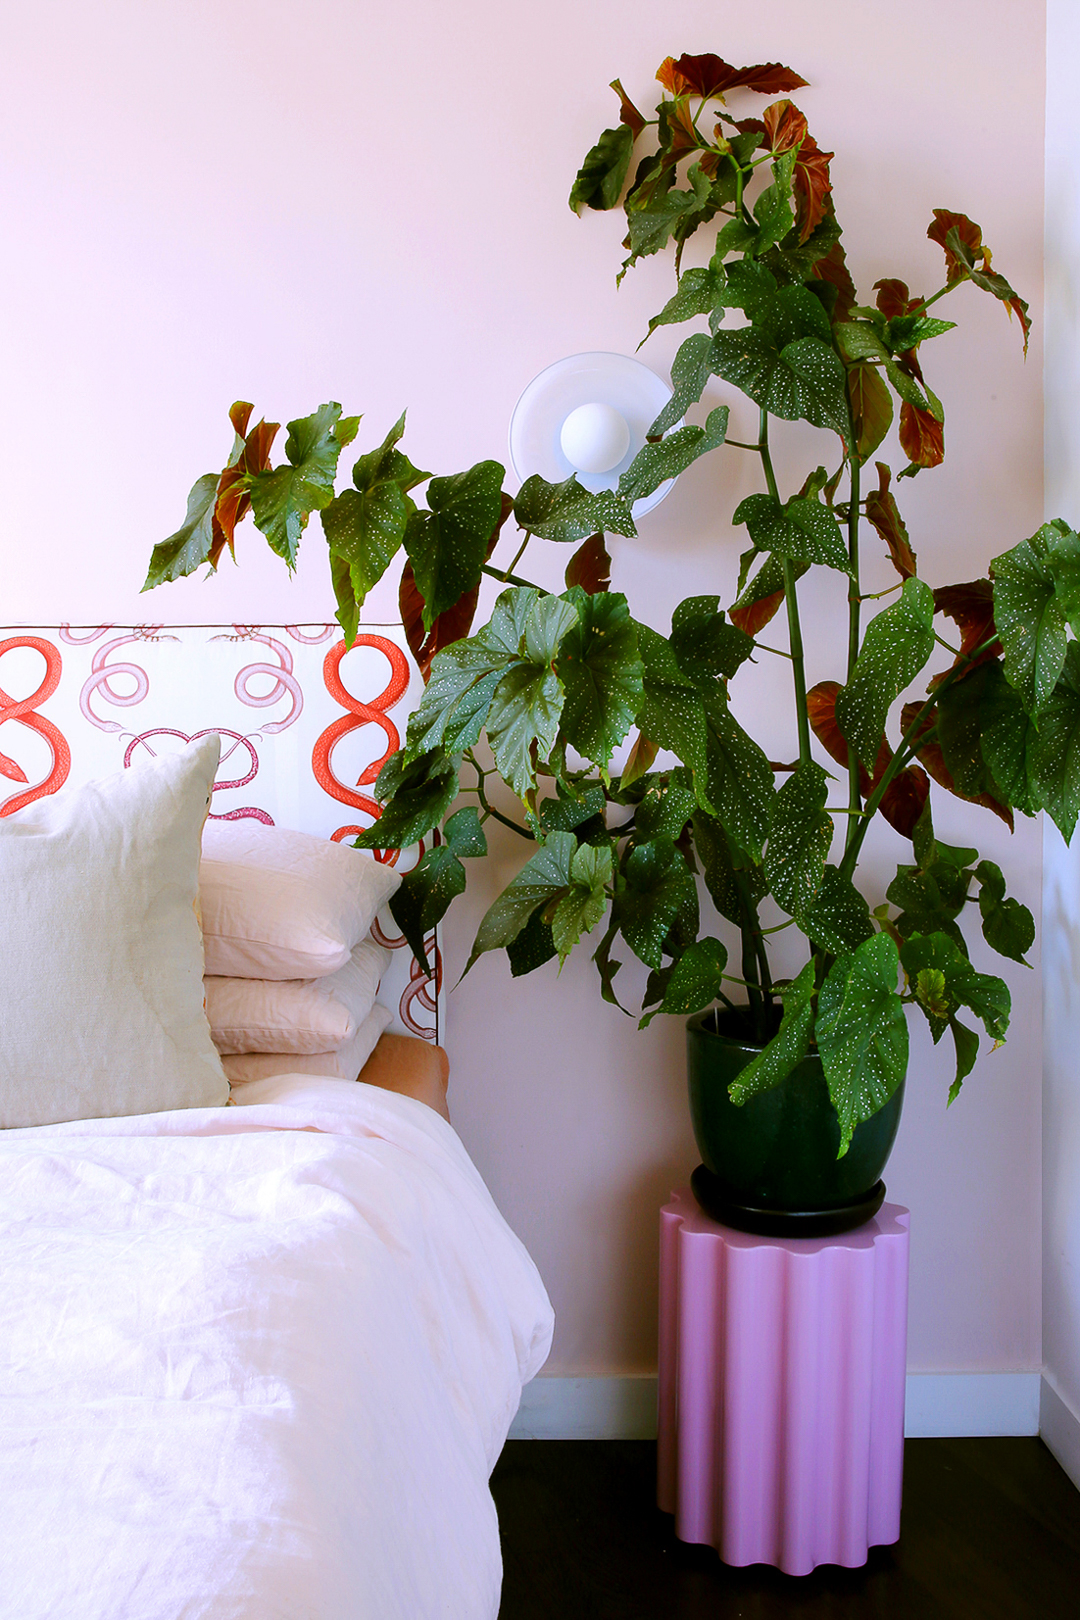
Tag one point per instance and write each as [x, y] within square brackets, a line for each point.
[1054, 750]
[456, 699]
[671, 711]
[788, 1046]
[862, 1034]
[190, 546]
[803, 381]
[896, 646]
[532, 947]
[283, 498]
[693, 981]
[447, 545]
[739, 779]
[804, 530]
[838, 918]
[728, 873]
[668, 803]
[1029, 619]
[541, 879]
[425, 896]
[525, 710]
[599, 665]
[983, 993]
[690, 371]
[416, 794]
[654, 463]
[1008, 927]
[657, 894]
[700, 291]
[464, 835]
[704, 643]
[582, 907]
[1062, 558]
[365, 526]
[799, 840]
[568, 512]
[600, 179]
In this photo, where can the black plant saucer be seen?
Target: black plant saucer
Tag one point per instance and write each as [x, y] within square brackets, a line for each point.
[789, 1223]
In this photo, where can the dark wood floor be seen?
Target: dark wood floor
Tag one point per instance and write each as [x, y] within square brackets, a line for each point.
[991, 1531]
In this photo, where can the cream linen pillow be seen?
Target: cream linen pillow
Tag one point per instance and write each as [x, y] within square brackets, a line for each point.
[296, 1015]
[285, 905]
[344, 1064]
[101, 965]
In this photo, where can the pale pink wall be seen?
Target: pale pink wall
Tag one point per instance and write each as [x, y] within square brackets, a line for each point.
[293, 202]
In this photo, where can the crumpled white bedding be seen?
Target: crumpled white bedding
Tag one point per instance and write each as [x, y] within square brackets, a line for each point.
[256, 1362]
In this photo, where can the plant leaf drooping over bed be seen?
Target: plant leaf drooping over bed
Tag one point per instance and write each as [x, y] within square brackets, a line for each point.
[556, 683]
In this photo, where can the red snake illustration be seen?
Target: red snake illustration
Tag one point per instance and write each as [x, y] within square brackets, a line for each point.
[23, 710]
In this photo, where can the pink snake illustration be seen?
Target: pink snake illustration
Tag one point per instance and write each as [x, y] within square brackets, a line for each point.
[282, 676]
[23, 710]
[246, 812]
[102, 673]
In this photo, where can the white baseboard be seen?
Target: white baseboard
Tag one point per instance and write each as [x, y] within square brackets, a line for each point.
[938, 1405]
[1060, 1429]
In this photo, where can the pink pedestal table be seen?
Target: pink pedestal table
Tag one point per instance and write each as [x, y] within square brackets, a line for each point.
[781, 1409]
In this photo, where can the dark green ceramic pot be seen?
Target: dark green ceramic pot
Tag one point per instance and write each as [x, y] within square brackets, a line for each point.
[770, 1165]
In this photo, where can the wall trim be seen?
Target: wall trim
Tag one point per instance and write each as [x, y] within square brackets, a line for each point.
[938, 1405]
[1059, 1427]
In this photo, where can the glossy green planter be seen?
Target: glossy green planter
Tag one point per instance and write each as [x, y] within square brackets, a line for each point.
[771, 1165]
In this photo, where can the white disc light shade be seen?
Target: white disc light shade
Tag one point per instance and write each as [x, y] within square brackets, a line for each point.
[588, 415]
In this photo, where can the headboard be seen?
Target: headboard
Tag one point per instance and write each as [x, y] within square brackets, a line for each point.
[305, 726]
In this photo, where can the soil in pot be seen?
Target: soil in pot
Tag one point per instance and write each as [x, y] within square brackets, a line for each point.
[771, 1165]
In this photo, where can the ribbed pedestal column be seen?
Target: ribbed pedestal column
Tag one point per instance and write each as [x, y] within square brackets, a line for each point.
[782, 1363]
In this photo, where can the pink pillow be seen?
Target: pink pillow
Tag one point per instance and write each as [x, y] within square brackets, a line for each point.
[284, 905]
[296, 1015]
[344, 1064]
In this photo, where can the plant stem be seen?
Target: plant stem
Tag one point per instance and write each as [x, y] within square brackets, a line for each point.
[798, 662]
[854, 796]
[511, 579]
[489, 809]
[517, 557]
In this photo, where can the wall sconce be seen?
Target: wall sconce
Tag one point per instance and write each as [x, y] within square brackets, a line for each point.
[588, 415]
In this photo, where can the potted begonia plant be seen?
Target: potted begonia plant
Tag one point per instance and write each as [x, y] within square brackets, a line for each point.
[795, 1081]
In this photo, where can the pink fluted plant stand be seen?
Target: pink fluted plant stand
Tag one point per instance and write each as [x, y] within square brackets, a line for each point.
[781, 1409]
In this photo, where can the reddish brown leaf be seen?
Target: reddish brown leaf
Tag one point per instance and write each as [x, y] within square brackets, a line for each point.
[821, 707]
[810, 186]
[453, 624]
[628, 113]
[710, 76]
[883, 513]
[684, 137]
[970, 236]
[756, 615]
[893, 298]
[239, 415]
[785, 127]
[904, 799]
[745, 126]
[971, 608]
[640, 760]
[833, 269]
[930, 755]
[871, 408]
[922, 436]
[590, 566]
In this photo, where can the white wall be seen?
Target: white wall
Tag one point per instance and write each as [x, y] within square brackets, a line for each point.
[345, 199]
[1061, 867]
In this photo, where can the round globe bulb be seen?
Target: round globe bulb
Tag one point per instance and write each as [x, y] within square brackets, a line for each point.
[594, 438]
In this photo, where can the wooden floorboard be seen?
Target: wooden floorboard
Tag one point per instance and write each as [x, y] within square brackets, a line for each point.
[991, 1531]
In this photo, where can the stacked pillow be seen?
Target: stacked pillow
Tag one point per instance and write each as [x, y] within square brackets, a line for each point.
[291, 972]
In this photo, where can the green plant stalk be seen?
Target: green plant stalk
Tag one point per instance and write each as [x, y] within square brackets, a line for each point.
[795, 642]
[854, 606]
[511, 579]
[489, 809]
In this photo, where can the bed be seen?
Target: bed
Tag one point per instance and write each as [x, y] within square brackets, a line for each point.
[259, 1351]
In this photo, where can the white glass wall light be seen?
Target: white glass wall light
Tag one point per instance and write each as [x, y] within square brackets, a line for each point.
[588, 415]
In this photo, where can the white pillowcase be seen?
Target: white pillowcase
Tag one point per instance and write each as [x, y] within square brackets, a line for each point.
[285, 905]
[101, 965]
[296, 1015]
[345, 1064]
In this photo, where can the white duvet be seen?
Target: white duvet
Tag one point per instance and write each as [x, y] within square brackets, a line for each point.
[256, 1362]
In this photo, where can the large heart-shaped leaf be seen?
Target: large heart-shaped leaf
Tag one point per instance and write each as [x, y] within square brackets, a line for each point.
[788, 1046]
[600, 667]
[189, 547]
[895, 648]
[862, 1034]
[804, 381]
[739, 779]
[416, 795]
[1054, 750]
[671, 456]
[540, 880]
[283, 499]
[804, 530]
[693, 981]
[1030, 620]
[657, 893]
[581, 908]
[799, 839]
[568, 512]
[448, 544]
